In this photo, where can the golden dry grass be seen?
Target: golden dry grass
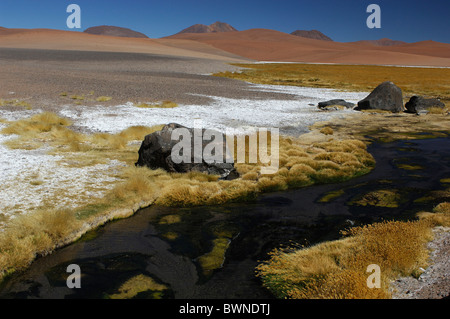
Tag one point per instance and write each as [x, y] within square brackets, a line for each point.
[163, 105]
[15, 102]
[327, 130]
[28, 236]
[431, 82]
[338, 269]
[103, 99]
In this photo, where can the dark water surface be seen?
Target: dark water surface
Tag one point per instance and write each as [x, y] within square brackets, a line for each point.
[167, 249]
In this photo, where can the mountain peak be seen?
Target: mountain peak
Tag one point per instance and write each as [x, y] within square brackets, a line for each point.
[115, 32]
[212, 28]
[313, 34]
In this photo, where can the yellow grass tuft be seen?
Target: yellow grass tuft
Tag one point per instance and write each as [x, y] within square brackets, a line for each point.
[77, 97]
[103, 99]
[337, 269]
[15, 102]
[164, 105]
[327, 130]
[27, 236]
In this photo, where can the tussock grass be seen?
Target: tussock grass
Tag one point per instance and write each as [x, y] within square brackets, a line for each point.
[161, 105]
[432, 82]
[327, 130]
[80, 98]
[103, 99]
[438, 110]
[15, 102]
[337, 269]
[28, 236]
[77, 97]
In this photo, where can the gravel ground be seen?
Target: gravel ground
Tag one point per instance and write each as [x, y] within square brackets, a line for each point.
[434, 282]
[40, 76]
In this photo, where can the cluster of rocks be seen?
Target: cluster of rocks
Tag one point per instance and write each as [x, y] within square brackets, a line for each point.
[387, 97]
[156, 149]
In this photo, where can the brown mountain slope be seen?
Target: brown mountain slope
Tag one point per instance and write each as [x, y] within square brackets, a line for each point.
[213, 28]
[270, 45]
[80, 41]
[115, 32]
[313, 34]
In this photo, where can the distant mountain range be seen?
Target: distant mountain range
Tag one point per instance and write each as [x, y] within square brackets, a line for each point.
[212, 28]
[251, 44]
[313, 34]
[115, 32]
[221, 27]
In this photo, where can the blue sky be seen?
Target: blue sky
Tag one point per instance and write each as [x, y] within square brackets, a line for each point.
[342, 20]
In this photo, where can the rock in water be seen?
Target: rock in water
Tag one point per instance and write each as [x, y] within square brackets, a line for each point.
[156, 152]
[418, 103]
[386, 96]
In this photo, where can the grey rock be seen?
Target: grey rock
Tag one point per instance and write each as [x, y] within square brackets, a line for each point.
[418, 103]
[156, 152]
[386, 96]
[326, 104]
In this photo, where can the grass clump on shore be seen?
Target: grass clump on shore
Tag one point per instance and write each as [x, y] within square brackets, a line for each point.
[16, 102]
[160, 105]
[103, 99]
[338, 269]
[28, 236]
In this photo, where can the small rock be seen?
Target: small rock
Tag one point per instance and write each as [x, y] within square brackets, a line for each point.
[336, 103]
[419, 104]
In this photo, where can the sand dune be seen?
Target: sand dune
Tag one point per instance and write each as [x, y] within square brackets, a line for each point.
[69, 40]
[270, 45]
[254, 44]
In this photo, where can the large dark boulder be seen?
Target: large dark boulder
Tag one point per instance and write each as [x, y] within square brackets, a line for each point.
[386, 96]
[418, 103]
[334, 105]
[156, 152]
